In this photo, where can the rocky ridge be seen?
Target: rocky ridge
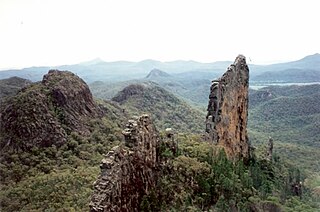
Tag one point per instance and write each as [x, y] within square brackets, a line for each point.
[129, 172]
[226, 120]
[44, 113]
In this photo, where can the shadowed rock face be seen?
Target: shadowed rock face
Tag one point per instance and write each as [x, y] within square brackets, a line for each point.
[128, 173]
[226, 120]
[44, 113]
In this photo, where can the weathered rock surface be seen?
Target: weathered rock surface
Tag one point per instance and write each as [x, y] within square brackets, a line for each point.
[226, 120]
[44, 113]
[128, 173]
[265, 207]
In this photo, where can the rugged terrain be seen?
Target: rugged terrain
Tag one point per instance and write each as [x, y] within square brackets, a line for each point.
[159, 170]
[167, 110]
[44, 113]
[129, 172]
[53, 134]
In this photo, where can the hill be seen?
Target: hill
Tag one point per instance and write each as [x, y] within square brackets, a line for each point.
[43, 113]
[52, 137]
[192, 87]
[156, 73]
[10, 86]
[291, 116]
[167, 110]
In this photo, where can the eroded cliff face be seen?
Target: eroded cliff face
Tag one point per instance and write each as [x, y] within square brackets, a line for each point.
[128, 173]
[44, 113]
[226, 120]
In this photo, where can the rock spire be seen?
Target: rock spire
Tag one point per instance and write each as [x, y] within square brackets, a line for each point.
[226, 120]
[128, 173]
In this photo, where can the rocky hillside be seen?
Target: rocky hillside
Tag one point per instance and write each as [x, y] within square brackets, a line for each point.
[44, 113]
[167, 110]
[52, 136]
[179, 172]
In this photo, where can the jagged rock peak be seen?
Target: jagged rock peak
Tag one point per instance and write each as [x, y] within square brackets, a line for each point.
[156, 73]
[226, 120]
[71, 93]
[44, 113]
[128, 173]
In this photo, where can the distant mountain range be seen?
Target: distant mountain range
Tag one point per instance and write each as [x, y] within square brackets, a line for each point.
[306, 69]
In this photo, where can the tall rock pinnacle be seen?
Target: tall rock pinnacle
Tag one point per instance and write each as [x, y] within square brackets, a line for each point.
[128, 173]
[226, 120]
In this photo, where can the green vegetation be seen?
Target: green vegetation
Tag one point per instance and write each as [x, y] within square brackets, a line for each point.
[201, 178]
[166, 110]
[11, 86]
[58, 179]
[291, 116]
[198, 177]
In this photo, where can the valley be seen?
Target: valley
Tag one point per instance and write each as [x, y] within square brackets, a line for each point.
[54, 133]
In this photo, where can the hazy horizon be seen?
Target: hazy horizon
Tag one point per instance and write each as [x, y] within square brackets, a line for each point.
[98, 58]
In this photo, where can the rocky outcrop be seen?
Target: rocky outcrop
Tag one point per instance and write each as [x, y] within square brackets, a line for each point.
[266, 206]
[44, 113]
[128, 173]
[226, 120]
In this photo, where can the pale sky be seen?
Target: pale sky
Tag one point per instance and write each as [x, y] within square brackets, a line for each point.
[57, 32]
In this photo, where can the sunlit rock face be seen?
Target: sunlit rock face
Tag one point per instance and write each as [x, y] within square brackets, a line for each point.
[226, 120]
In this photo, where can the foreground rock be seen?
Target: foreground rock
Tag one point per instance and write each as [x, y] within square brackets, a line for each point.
[128, 173]
[44, 113]
[226, 120]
